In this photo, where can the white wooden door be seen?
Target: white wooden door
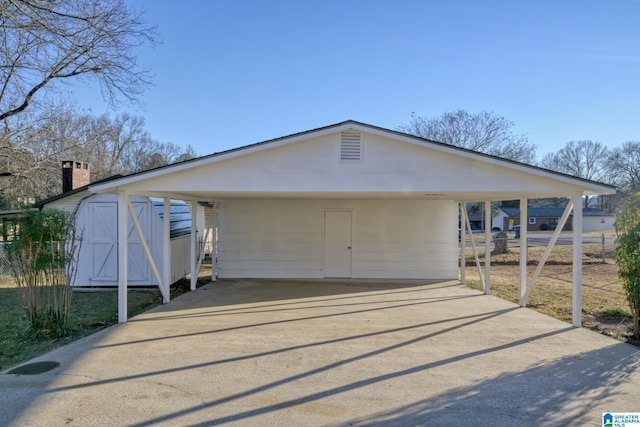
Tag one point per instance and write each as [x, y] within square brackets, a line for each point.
[103, 217]
[103, 240]
[337, 243]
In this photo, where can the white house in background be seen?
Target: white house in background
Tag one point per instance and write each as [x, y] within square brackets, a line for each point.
[500, 221]
[97, 220]
[348, 200]
[547, 218]
[595, 220]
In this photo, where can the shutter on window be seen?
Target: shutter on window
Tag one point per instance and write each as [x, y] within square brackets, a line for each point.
[351, 146]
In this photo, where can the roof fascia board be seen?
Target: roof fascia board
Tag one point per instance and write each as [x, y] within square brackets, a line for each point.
[161, 195]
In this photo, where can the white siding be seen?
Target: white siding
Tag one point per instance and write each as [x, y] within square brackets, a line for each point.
[498, 220]
[598, 223]
[387, 166]
[208, 245]
[180, 256]
[203, 224]
[69, 203]
[391, 239]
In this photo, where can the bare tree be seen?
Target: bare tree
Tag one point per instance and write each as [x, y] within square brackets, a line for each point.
[624, 163]
[42, 44]
[45, 42]
[624, 172]
[23, 162]
[551, 161]
[583, 159]
[484, 132]
[110, 142]
[150, 155]
[30, 162]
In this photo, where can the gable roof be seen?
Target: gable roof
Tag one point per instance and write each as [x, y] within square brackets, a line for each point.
[134, 181]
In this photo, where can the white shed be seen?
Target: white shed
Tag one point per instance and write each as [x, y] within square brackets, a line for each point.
[348, 200]
[97, 222]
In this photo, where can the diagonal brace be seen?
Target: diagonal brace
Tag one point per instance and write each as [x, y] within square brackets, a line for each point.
[152, 263]
[547, 252]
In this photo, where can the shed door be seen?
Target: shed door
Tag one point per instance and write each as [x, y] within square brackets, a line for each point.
[337, 243]
[103, 219]
[104, 242]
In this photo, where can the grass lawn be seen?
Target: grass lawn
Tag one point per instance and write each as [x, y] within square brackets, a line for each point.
[90, 311]
[604, 305]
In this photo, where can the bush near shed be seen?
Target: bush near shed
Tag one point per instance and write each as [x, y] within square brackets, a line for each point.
[40, 257]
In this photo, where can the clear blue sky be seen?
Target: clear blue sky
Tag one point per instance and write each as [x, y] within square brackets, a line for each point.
[235, 72]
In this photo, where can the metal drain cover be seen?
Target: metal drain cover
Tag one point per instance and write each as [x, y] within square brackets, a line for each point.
[34, 368]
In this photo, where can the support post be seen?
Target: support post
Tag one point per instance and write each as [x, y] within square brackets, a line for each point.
[577, 260]
[193, 243]
[524, 248]
[463, 243]
[487, 247]
[123, 231]
[166, 247]
[214, 241]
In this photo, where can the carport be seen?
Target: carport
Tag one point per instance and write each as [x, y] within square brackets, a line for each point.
[350, 201]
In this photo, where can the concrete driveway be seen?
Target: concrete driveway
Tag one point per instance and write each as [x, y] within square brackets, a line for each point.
[261, 352]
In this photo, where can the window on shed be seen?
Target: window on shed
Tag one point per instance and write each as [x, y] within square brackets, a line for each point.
[532, 220]
[351, 146]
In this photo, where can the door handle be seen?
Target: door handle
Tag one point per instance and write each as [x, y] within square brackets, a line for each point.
[348, 247]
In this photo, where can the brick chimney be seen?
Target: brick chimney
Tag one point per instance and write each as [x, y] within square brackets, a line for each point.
[75, 175]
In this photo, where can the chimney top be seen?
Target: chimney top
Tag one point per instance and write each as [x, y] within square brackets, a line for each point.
[75, 175]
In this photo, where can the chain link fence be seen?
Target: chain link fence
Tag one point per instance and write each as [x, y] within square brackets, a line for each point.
[5, 267]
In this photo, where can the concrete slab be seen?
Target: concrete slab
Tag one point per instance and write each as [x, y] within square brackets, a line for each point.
[259, 352]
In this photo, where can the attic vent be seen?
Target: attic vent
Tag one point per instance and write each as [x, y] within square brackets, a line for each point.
[351, 146]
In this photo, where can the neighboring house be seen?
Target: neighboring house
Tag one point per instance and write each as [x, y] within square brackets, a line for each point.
[476, 221]
[548, 218]
[500, 221]
[538, 218]
[596, 220]
[97, 221]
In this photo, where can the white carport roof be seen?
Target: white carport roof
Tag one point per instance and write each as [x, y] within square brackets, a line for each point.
[405, 166]
[478, 177]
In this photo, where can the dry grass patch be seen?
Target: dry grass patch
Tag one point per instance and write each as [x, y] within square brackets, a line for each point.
[604, 306]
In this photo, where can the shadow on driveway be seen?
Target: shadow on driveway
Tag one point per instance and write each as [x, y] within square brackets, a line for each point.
[329, 353]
